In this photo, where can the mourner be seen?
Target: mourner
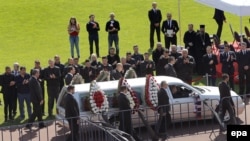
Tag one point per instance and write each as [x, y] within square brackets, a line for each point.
[189, 40]
[157, 53]
[113, 58]
[210, 61]
[227, 58]
[184, 66]
[162, 62]
[58, 63]
[174, 52]
[147, 66]
[15, 72]
[87, 72]
[138, 59]
[116, 74]
[169, 68]
[69, 76]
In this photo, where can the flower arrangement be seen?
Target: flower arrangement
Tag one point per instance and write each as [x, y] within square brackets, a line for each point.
[134, 102]
[98, 100]
[151, 90]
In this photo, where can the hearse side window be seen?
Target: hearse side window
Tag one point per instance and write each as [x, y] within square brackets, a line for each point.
[179, 91]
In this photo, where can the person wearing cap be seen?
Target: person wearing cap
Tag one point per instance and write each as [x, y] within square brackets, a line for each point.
[93, 27]
[219, 17]
[202, 40]
[147, 66]
[15, 72]
[243, 60]
[36, 99]
[155, 18]
[40, 80]
[73, 31]
[227, 58]
[72, 114]
[113, 58]
[189, 40]
[113, 27]
[170, 28]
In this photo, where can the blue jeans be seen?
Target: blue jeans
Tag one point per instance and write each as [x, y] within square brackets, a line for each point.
[21, 98]
[114, 38]
[74, 42]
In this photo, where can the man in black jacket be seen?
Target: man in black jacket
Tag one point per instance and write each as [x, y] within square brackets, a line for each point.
[155, 18]
[210, 61]
[189, 40]
[52, 75]
[125, 111]
[226, 99]
[163, 61]
[164, 108]
[93, 27]
[8, 89]
[112, 27]
[157, 53]
[219, 17]
[36, 99]
[227, 58]
[170, 28]
[69, 76]
[72, 114]
[61, 66]
[243, 60]
[87, 72]
[170, 70]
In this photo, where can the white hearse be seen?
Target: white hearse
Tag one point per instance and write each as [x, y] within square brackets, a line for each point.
[182, 108]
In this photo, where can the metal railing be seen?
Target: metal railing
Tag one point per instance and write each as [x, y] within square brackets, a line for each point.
[104, 127]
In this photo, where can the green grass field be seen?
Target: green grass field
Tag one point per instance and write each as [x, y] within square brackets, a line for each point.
[38, 29]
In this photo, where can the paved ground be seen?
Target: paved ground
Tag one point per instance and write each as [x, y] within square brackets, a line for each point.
[56, 132]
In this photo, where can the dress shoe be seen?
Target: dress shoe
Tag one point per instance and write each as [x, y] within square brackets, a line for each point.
[41, 126]
[28, 126]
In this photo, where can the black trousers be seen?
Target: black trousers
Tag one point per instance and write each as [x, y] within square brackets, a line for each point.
[7, 98]
[74, 130]
[219, 29]
[14, 101]
[244, 83]
[53, 92]
[163, 123]
[227, 106]
[37, 113]
[92, 39]
[125, 122]
[170, 40]
[42, 106]
[153, 28]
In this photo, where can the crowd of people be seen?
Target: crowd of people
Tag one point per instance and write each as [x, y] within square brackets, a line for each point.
[197, 57]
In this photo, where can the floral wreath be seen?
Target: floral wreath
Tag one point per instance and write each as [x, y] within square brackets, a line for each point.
[98, 99]
[133, 100]
[151, 90]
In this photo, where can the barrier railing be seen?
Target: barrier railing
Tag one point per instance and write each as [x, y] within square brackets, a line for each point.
[186, 120]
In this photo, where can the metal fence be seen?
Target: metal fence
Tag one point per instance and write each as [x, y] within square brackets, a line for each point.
[104, 127]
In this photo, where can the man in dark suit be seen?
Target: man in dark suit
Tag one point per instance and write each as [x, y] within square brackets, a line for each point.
[189, 40]
[155, 18]
[226, 59]
[69, 76]
[36, 99]
[174, 52]
[87, 72]
[15, 72]
[147, 66]
[112, 27]
[72, 114]
[184, 67]
[162, 62]
[52, 75]
[226, 99]
[8, 89]
[202, 40]
[62, 67]
[164, 108]
[138, 59]
[158, 52]
[210, 61]
[40, 79]
[170, 28]
[170, 71]
[125, 111]
[243, 60]
[219, 18]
